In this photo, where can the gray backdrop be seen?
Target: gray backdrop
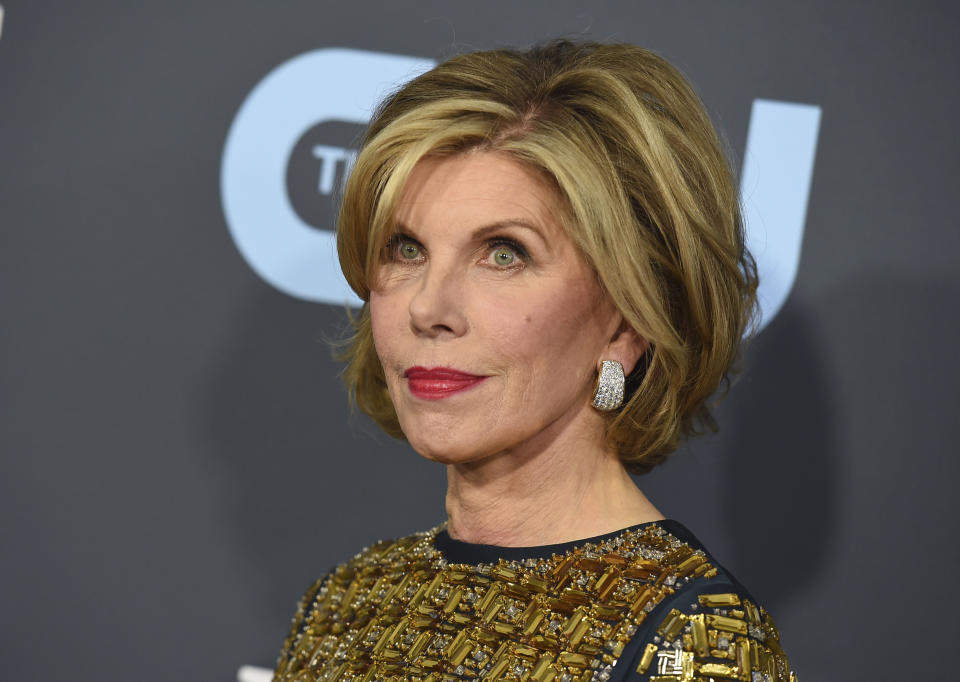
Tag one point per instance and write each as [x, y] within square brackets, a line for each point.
[178, 459]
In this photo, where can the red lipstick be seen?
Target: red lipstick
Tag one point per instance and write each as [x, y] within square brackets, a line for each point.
[437, 383]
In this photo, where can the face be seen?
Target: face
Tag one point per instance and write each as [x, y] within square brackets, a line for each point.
[488, 322]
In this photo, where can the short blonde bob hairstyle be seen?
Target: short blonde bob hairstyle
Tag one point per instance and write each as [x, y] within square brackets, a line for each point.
[650, 202]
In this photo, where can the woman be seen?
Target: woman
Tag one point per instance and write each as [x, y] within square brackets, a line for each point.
[551, 251]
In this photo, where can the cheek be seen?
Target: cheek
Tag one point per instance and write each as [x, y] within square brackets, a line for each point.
[558, 332]
[383, 321]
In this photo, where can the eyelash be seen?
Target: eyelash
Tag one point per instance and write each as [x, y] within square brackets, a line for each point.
[392, 247]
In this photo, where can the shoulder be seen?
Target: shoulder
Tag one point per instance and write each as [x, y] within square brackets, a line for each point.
[325, 595]
[711, 627]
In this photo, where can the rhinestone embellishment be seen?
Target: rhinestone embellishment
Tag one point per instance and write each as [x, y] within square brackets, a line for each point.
[400, 612]
[609, 395]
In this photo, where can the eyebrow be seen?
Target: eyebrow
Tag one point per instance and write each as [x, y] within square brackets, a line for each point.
[485, 230]
[482, 232]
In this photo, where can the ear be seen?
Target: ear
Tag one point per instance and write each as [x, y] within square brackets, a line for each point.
[626, 347]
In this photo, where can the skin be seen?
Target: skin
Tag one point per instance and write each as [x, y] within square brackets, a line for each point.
[482, 278]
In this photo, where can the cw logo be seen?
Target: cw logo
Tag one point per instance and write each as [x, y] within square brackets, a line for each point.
[295, 136]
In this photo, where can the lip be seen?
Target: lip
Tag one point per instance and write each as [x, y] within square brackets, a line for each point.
[437, 383]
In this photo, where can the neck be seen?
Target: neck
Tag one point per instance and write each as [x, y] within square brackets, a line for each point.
[558, 494]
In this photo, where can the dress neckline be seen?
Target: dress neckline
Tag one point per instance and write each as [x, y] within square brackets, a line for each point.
[461, 552]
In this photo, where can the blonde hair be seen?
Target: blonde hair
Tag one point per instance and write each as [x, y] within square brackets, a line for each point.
[651, 204]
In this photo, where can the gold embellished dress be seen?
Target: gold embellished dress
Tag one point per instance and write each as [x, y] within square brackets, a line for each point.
[647, 603]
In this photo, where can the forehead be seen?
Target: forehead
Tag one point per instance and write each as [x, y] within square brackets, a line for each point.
[475, 188]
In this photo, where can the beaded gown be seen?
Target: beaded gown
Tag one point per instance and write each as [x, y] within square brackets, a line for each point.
[644, 604]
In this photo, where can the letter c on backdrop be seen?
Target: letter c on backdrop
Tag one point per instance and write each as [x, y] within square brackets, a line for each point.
[322, 85]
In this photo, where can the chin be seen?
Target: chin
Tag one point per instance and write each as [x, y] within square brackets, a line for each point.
[445, 452]
[437, 445]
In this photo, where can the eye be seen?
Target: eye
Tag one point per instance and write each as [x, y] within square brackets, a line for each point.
[506, 254]
[403, 249]
[409, 251]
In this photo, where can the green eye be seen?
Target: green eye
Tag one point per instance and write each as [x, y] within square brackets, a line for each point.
[504, 256]
[409, 251]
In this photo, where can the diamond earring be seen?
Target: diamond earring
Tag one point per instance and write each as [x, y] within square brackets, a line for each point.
[609, 394]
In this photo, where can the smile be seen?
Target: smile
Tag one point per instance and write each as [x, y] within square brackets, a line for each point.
[439, 382]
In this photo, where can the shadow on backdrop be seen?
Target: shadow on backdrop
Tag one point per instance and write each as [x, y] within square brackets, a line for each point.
[780, 493]
[746, 490]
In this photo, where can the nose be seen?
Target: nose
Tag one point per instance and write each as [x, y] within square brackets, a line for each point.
[436, 308]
